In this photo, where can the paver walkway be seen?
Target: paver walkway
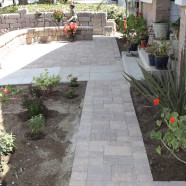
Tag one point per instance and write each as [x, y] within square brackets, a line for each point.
[110, 149]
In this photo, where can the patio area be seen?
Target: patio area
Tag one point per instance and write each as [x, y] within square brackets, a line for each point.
[109, 146]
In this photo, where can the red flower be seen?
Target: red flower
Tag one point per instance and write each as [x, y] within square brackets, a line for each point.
[172, 119]
[124, 19]
[156, 101]
[140, 14]
[147, 44]
[6, 91]
[142, 45]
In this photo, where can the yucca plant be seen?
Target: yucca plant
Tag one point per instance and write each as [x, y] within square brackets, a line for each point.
[170, 88]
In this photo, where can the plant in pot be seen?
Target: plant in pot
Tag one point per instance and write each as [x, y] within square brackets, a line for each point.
[151, 50]
[133, 43]
[141, 30]
[162, 55]
[161, 29]
[176, 27]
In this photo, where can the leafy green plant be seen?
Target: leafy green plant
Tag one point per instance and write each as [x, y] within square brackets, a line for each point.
[141, 27]
[73, 80]
[152, 49]
[46, 82]
[163, 49]
[174, 137]
[6, 146]
[170, 88]
[36, 123]
[71, 93]
[33, 105]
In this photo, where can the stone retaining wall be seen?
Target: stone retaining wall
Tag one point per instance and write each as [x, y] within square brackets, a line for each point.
[23, 19]
[11, 40]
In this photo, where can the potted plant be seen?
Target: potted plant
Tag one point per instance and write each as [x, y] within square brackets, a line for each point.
[70, 30]
[162, 55]
[141, 30]
[58, 15]
[133, 43]
[176, 27]
[151, 50]
[161, 29]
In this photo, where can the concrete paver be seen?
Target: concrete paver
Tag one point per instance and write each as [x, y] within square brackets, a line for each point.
[109, 145]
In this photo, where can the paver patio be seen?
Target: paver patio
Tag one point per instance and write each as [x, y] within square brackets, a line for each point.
[109, 149]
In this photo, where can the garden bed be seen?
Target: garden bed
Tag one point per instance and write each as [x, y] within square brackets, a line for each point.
[122, 44]
[164, 167]
[47, 159]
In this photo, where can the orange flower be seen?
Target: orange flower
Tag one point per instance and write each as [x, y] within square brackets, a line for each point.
[172, 119]
[156, 101]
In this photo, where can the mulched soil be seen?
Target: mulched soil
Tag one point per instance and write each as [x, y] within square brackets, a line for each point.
[164, 167]
[46, 160]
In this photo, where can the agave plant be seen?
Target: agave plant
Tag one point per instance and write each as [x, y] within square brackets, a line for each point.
[170, 88]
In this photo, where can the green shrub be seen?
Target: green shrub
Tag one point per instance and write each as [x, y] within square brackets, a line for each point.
[33, 105]
[71, 93]
[173, 138]
[46, 82]
[170, 88]
[73, 80]
[6, 146]
[36, 123]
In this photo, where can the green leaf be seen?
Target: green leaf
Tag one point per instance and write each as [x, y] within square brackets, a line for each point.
[158, 122]
[175, 144]
[158, 150]
[158, 135]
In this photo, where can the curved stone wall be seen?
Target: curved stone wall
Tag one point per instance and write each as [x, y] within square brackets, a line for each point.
[11, 40]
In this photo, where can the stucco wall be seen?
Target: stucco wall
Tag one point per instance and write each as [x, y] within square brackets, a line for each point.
[182, 39]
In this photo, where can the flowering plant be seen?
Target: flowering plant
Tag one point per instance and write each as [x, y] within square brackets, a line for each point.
[58, 15]
[173, 137]
[70, 29]
[38, 14]
[73, 80]
[7, 92]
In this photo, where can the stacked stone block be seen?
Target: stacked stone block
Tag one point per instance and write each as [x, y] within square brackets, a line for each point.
[11, 40]
[23, 19]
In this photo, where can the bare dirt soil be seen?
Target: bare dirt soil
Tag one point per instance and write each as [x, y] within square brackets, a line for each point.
[46, 161]
[164, 167]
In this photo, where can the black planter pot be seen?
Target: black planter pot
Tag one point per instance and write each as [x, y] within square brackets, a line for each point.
[146, 38]
[133, 47]
[151, 59]
[161, 62]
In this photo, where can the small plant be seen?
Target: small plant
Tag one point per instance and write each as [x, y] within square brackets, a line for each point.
[6, 146]
[58, 15]
[33, 105]
[7, 91]
[170, 88]
[163, 49]
[70, 29]
[73, 80]
[46, 82]
[38, 14]
[36, 123]
[174, 137]
[71, 93]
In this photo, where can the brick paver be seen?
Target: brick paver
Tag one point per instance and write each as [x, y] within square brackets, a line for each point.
[109, 146]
